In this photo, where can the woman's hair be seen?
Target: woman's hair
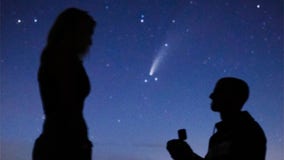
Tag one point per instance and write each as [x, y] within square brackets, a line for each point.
[69, 30]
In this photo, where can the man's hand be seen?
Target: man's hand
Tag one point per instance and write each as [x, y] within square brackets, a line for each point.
[179, 150]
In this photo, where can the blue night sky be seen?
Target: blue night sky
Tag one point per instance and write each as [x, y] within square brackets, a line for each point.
[130, 114]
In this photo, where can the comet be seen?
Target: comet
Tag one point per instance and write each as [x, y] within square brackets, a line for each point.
[158, 59]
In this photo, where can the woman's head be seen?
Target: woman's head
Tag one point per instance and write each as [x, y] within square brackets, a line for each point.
[72, 31]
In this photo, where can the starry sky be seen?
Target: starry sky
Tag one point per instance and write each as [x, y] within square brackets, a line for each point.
[133, 110]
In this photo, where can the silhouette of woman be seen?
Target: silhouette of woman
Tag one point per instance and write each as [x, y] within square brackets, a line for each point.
[64, 85]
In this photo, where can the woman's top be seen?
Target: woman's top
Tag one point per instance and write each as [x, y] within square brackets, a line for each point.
[64, 85]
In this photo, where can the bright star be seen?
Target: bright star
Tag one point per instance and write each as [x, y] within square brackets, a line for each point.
[19, 21]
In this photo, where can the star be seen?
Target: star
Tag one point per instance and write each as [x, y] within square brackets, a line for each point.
[19, 21]
[35, 20]
[258, 6]
[145, 80]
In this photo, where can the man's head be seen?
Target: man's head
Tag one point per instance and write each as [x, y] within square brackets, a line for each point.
[229, 95]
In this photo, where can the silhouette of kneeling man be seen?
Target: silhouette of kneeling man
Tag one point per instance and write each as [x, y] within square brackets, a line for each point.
[238, 135]
[64, 85]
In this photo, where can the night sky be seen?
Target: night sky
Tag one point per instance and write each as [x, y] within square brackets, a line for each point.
[131, 114]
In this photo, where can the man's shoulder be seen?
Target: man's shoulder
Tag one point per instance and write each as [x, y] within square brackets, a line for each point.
[250, 126]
